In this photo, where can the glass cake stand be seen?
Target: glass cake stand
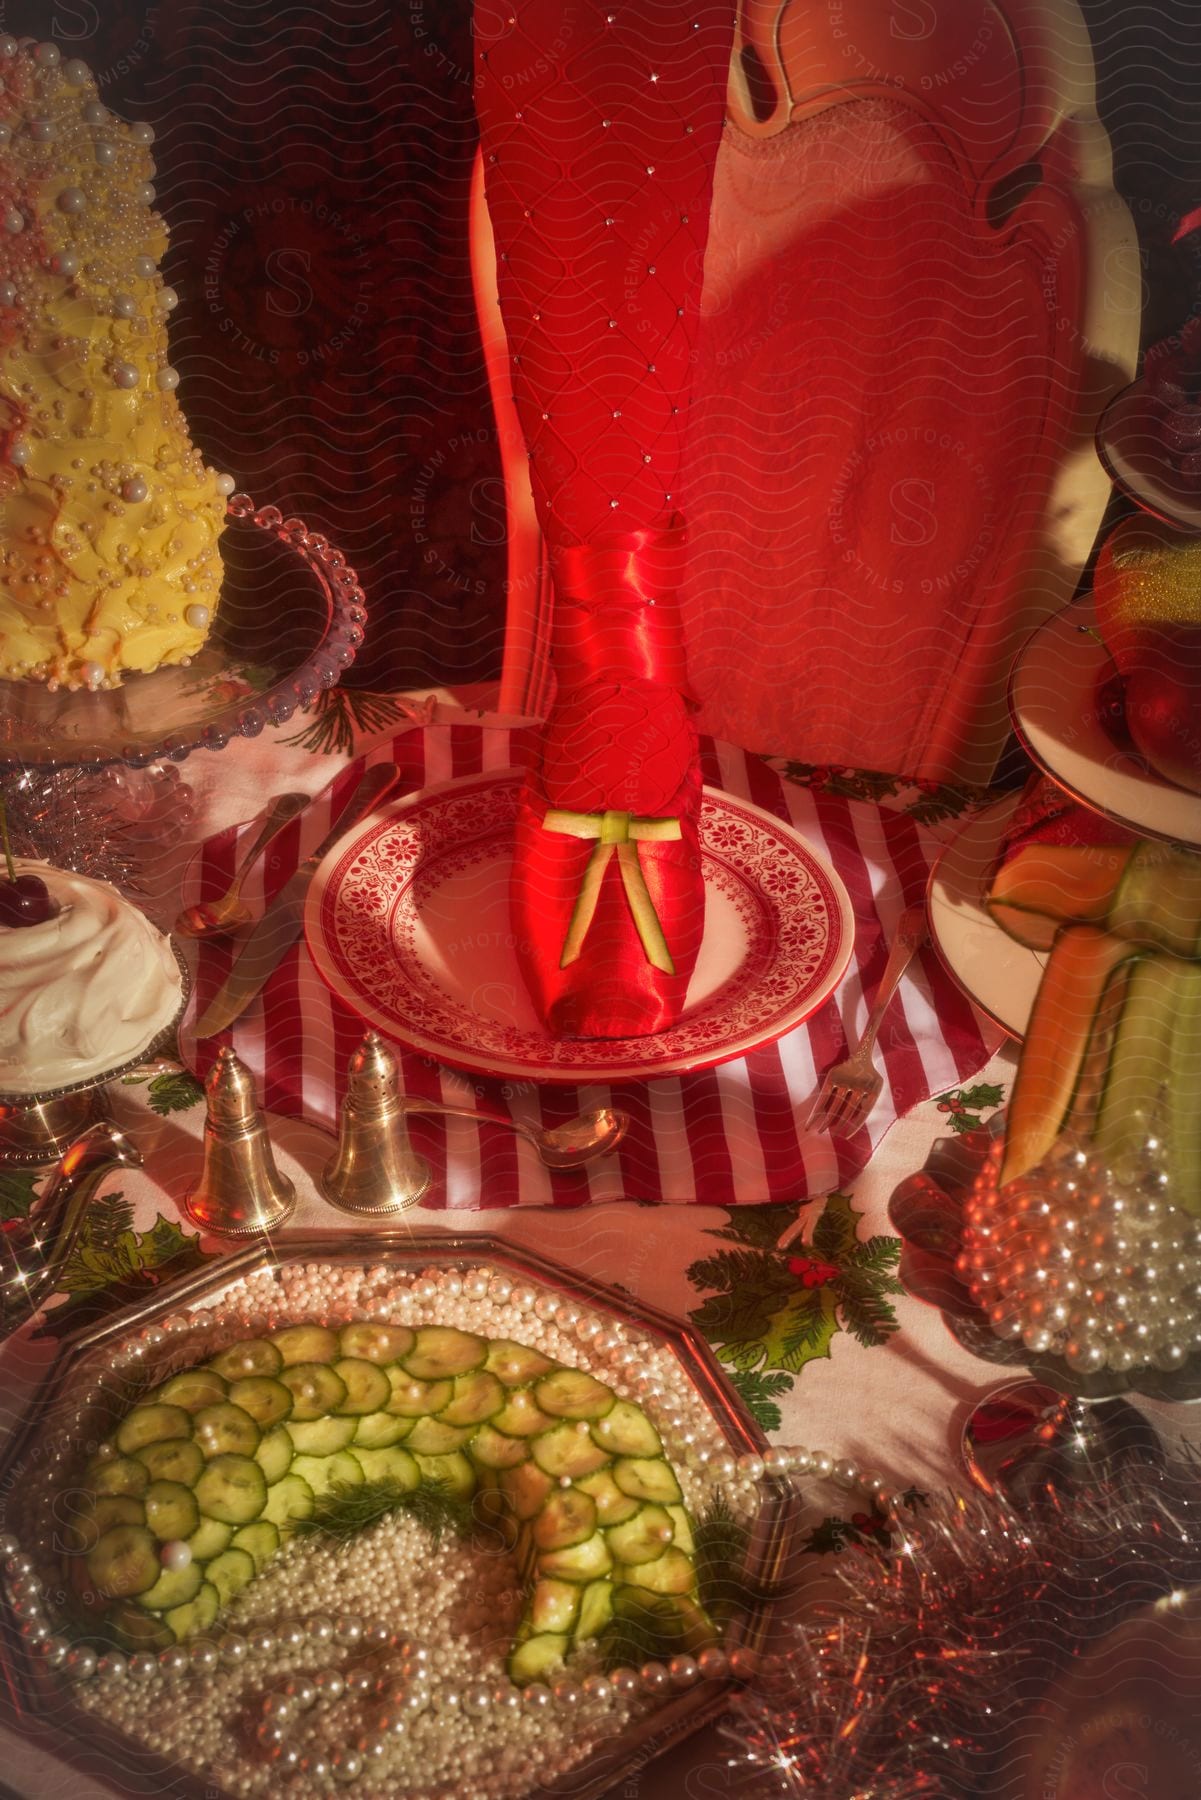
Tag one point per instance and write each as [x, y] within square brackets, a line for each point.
[277, 642]
[89, 778]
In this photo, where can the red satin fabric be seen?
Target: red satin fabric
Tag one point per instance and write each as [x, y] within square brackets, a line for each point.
[620, 737]
[599, 122]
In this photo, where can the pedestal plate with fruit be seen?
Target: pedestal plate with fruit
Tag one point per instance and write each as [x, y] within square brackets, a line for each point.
[1076, 1248]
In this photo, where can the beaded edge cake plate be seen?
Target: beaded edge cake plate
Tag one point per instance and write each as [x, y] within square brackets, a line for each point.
[161, 1335]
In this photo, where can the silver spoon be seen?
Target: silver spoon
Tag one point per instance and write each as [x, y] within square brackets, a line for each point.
[212, 918]
[568, 1146]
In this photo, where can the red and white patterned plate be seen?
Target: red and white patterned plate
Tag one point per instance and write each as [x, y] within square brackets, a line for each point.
[407, 920]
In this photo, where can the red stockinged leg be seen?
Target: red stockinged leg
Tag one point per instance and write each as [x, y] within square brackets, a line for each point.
[600, 121]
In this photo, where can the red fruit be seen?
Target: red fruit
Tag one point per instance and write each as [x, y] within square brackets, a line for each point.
[1163, 703]
[25, 901]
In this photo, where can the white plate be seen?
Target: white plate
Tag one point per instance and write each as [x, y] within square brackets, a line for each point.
[407, 920]
[1053, 702]
[1001, 976]
[1133, 454]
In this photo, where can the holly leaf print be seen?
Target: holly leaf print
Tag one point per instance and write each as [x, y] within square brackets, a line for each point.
[18, 1191]
[834, 1235]
[760, 1226]
[759, 1394]
[963, 1106]
[772, 1310]
[174, 1092]
[112, 1264]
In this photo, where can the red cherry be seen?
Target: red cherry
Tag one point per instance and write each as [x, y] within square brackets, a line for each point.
[25, 901]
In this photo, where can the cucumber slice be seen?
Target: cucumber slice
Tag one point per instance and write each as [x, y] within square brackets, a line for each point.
[305, 1344]
[476, 1398]
[554, 1606]
[230, 1573]
[132, 1628]
[567, 1450]
[380, 1430]
[314, 1388]
[567, 1518]
[96, 1516]
[321, 1472]
[274, 1455]
[515, 1364]
[266, 1400]
[612, 1506]
[571, 1394]
[225, 1430]
[124, 1562]
[526, 1489]
[209, 1539]
[1183, 1115]
[174, 1587]
[197, 1616]
[150, 1425]
[117, 1475]
[647, 1478]
[232, 1489]
[440, 1351]
[454, 1471]
[171, 1512]
[642, 1539]
[290, 1498]
[433, 1438]
[582, 1562]
[192, 1389]
[413, 1399]
[496, 1451]
[671, 1573]
[537, 1659]
[390, 1465]
[596, 1609]
[375, 1343]
[520, 1417]
[682, 1527]
[368, 1389]
[260, 1542]
[175, 1459]
[248, 1357]
[626, 1431]
[320, 1437]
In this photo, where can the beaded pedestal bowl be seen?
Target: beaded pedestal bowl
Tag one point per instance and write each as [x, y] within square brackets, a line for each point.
[928, 1210]
[381, 1663]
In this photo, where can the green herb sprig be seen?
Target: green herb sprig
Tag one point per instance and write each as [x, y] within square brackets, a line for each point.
[350, 1508]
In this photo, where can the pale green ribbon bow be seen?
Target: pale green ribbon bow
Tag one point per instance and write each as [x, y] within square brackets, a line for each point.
[618, 832]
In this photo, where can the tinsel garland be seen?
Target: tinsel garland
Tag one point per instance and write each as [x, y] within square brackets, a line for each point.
[104, 823]
[927, 1676]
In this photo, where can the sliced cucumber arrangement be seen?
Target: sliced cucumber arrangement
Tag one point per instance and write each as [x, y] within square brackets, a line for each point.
[228, 1457]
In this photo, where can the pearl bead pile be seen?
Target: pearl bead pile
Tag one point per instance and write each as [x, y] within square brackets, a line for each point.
[384, 1663]
[1092, 1264]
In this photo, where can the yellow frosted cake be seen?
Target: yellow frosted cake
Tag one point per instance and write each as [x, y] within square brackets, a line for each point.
[109, 519]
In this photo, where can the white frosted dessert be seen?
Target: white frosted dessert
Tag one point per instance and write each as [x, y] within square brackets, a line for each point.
[83, 992]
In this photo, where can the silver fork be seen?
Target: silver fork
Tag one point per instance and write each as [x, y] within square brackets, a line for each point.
[849, 1090]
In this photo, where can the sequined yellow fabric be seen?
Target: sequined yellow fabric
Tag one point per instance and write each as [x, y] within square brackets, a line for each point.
[109, 519]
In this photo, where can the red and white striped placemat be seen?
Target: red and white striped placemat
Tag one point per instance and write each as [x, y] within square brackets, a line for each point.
[720, 1136]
